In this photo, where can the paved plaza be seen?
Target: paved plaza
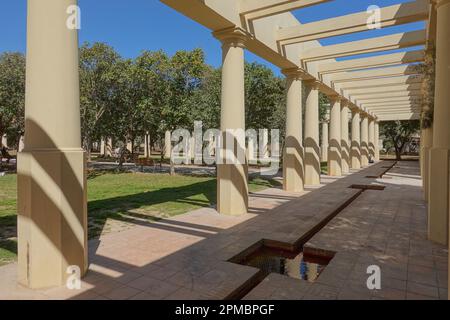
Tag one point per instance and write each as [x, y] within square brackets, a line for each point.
[187, 257]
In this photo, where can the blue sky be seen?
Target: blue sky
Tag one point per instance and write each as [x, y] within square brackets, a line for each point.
[131, 26]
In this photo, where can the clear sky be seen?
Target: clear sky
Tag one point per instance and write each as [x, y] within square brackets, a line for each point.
[131, 26]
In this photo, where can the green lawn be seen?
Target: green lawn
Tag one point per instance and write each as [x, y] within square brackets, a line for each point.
[122, 198]
[324, 167]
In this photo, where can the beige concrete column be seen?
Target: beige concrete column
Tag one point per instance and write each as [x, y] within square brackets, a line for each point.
[426, 144]
[334, 149]
[232, 189]
[364, 140]
[377, 141]
[264, 143]
[251, 152]
[21, 144]
[293, 171]
[52, 215]
[129, 146]
[108, 147]
[438, 205]
[4, 141]
[345, 145]
[356, 141]
[372, 138]
[311, 143]
[192, 147]
[325, 139]
[167, 144]
[147, 146]
[102, 147]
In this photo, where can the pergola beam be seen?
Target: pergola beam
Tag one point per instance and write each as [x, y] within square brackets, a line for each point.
[390, 42]
[373, 62]
[405, 116]
[392, 95]
[380, 83]
[386, 90]
[256, 9]
[390, 100]
[357, 22]
[374, 73]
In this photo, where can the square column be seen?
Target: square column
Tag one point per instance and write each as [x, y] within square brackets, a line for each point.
[372, 138]
[4, 141]
[312, 149]
[293, 171]
[167, 145]
[147, 145]
[364, 140]
[334, 148]
[438, 204]
[345, 146]
[232, 188]
[377, 141]
[52, 210]
[426, 145]
[355, 152]
[325, 142]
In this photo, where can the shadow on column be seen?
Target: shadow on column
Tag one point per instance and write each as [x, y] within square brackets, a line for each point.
[43, 178]
[312, 159]
[293, 160]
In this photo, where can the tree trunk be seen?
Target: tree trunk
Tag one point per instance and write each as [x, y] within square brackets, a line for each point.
[87, 147]
[172, 167]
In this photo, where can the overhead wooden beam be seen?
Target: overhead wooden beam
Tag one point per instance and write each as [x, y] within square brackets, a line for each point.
[394, 109]
[374, 73]
[389, 99]
[403, 116]
[386, 90]
[373, 62]
[256, 9]
[398, 103]
[379, 83]
[390, 42]
[357, 22]
[390, 95]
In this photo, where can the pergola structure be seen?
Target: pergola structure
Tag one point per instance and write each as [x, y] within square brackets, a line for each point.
[365, 90]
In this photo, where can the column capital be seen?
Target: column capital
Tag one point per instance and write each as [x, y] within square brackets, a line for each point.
[294, 73]
[335, 98]
[439, 3]
[313, 84]
[234, 37]
[345, 102]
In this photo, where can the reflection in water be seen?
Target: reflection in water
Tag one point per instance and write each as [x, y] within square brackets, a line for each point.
[291, 264]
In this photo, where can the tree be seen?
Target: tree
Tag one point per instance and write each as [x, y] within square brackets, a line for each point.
[12, 96]
[399, 133]
[97, 63]
[153, 68]
[185, 74]
[263, 94]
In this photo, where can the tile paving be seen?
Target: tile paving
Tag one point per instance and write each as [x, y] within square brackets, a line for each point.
[186, 257]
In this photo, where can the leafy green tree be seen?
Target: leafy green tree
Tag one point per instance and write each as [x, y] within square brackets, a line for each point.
[206, 100]
[398, 134]
[12, 96]
[152, 73]
[97, 64]
[185, 73]
[263, 94]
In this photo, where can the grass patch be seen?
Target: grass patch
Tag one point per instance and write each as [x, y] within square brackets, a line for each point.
[324, 167]
[8, 251]
[117, 200]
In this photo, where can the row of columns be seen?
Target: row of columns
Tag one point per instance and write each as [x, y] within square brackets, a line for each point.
[343, 155]
[52, 201]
